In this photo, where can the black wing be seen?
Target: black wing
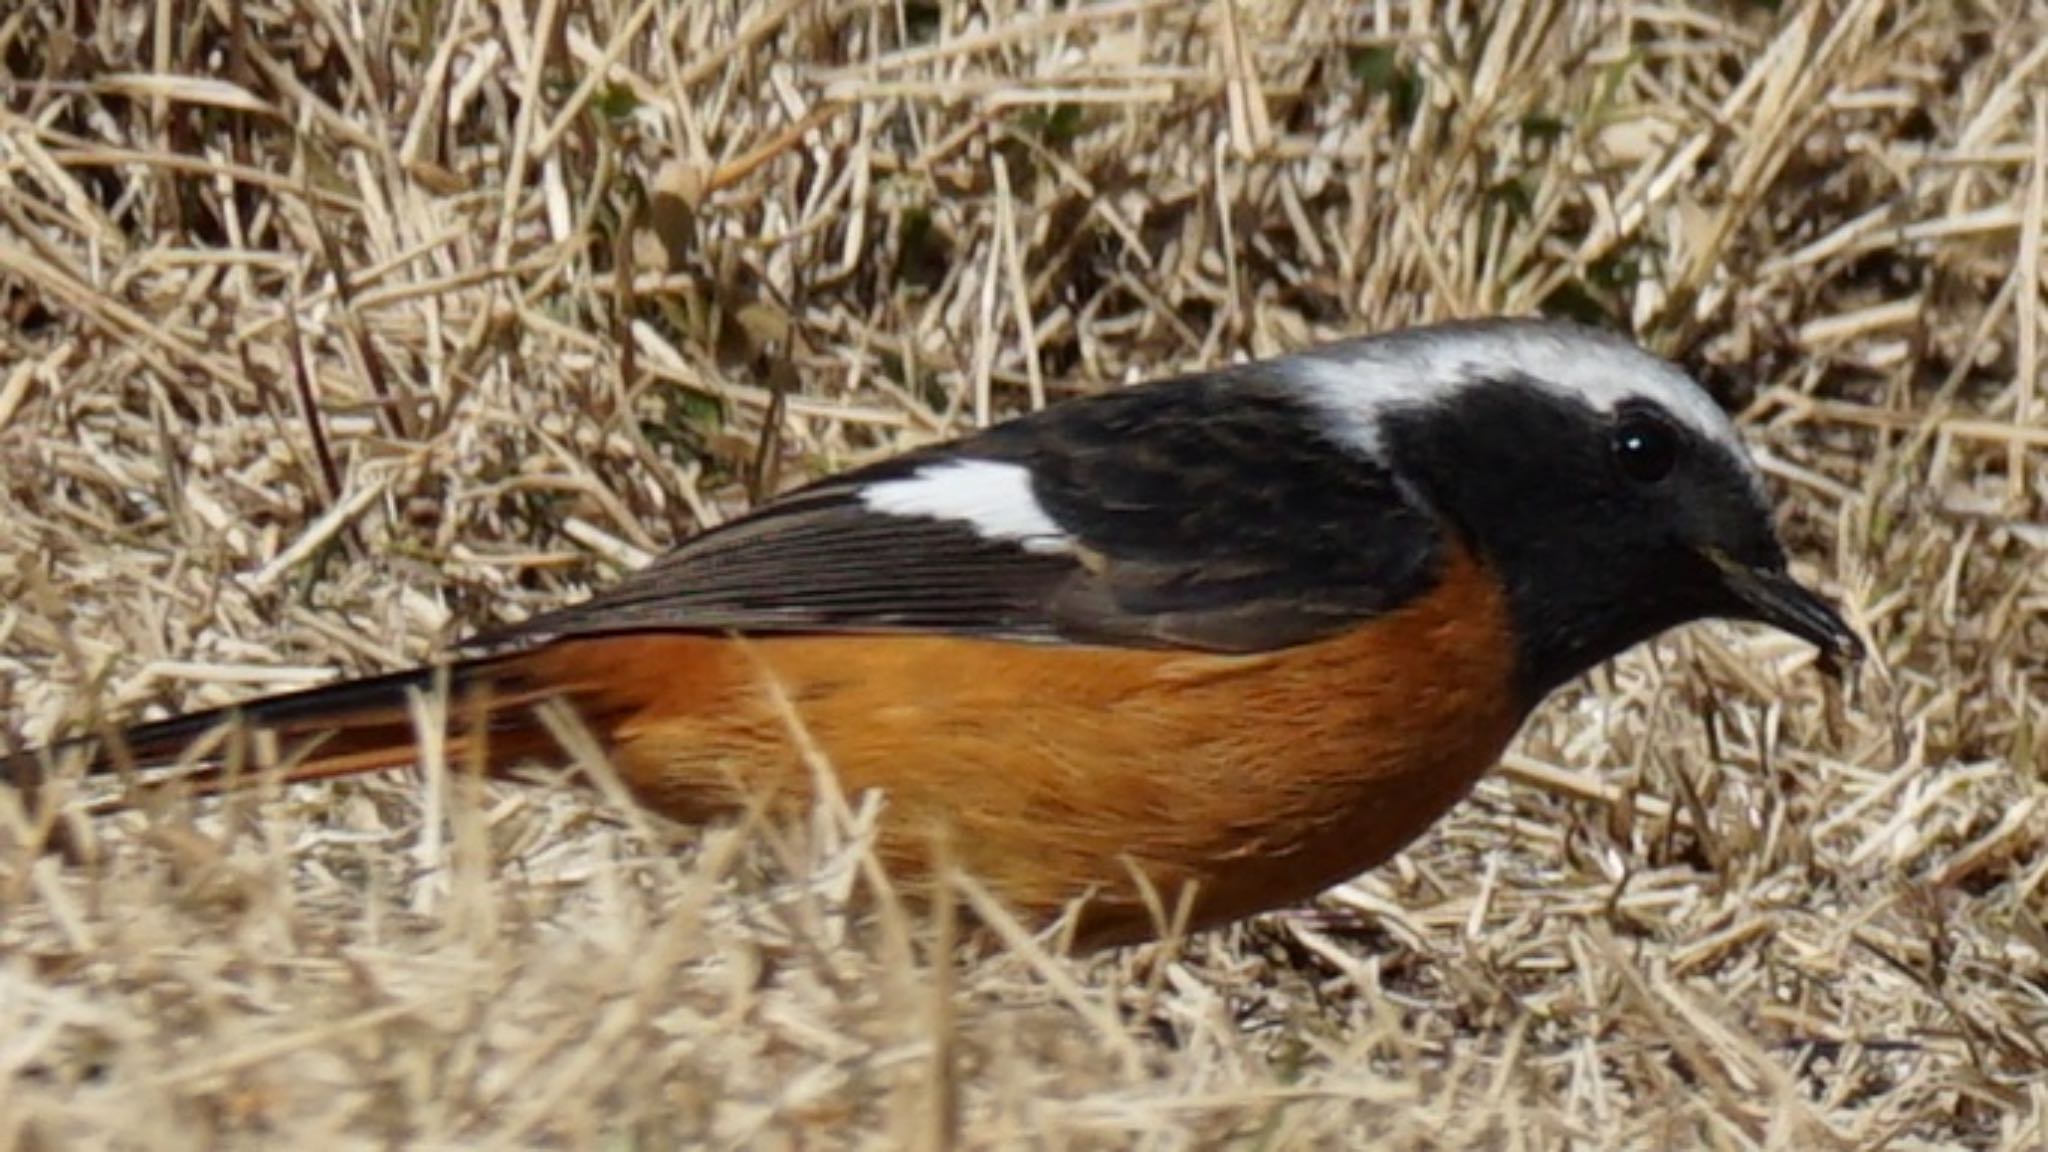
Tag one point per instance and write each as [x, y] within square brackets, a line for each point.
[1202, 512]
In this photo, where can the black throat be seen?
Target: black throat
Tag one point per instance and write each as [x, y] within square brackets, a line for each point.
[1524, 475]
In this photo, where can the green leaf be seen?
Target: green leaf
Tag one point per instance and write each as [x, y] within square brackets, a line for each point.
[616, 101]
[1380, 71]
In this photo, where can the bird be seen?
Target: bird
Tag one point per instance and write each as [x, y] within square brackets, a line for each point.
[1217, 641]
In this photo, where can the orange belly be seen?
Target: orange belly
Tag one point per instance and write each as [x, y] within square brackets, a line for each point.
[1260, 779]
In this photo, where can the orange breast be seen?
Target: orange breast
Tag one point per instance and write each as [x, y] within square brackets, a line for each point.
[1261, 779]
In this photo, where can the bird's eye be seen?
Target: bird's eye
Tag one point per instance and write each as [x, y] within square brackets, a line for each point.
[1645, 446]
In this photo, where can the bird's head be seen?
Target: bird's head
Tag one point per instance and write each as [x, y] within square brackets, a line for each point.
[1609, 492]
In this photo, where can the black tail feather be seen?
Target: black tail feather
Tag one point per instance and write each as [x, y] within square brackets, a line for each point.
[326, 707]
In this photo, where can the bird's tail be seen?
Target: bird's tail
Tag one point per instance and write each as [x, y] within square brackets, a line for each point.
[341, 729]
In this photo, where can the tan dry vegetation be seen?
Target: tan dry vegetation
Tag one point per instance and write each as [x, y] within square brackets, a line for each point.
[329, 331]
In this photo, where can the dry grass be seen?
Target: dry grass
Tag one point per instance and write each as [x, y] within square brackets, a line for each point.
[328, 331]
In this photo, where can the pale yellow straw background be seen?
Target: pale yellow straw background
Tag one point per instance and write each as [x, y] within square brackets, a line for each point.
[330, 331]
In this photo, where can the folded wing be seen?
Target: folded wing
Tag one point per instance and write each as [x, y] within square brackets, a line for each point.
[1204, 512]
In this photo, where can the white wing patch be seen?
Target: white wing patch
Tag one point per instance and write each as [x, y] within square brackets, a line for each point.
[991, 497]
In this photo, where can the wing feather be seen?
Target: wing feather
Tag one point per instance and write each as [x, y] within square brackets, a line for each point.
[1203, 512]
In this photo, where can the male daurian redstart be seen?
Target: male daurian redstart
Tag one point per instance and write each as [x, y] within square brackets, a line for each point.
[1250, 630]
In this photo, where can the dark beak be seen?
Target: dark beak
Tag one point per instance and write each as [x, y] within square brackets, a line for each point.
[1771, 596]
